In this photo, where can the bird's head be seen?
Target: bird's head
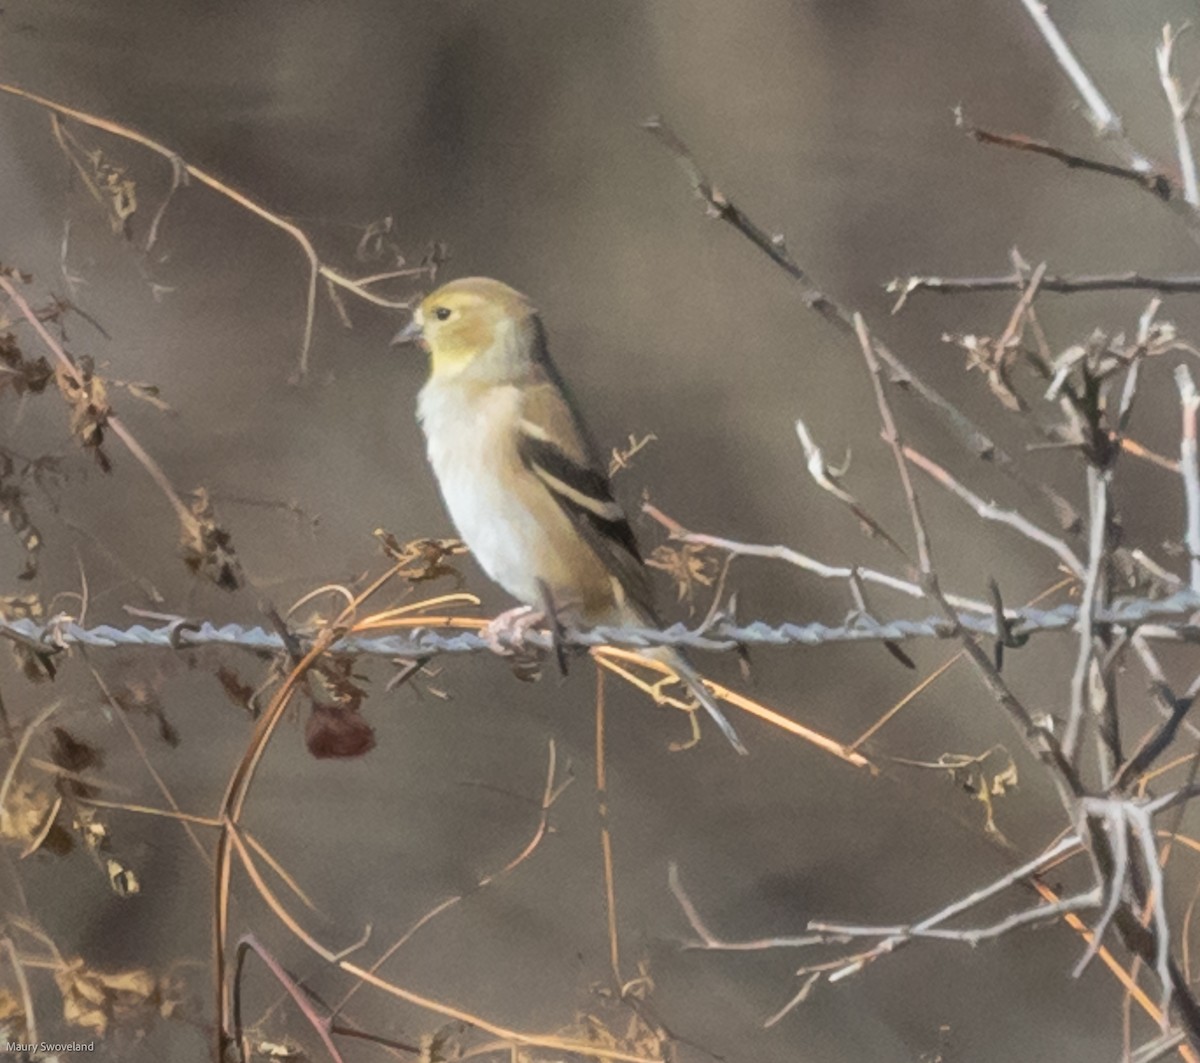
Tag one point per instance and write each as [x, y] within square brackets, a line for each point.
[474, 325]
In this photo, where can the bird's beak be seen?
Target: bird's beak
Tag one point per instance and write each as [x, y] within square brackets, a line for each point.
[411, 333]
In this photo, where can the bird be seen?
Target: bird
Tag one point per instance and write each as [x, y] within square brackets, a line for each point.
[520, 475]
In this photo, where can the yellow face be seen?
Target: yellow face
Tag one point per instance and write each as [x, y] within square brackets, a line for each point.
[464, 320]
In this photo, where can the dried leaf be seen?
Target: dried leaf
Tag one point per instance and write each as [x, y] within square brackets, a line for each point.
[687, 565]
[87, 396]
[95, 1000]
[13, 1021]
[621, 457]
[423, 559]
[23, 817]
[15, 515]
[206, 547]
[20, 374]
[276, 1050]
[240, 693]
[332, 732]
[36, 663]
[121, 878]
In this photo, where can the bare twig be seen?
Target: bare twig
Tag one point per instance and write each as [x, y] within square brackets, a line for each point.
[548, 1041]
[717, 205]
[1056, 283]
[1106, 122]
[1189, 469]
[1157, 183]
[606, 853]
[794, 557]
[181, 170]
[990, 511]
[1180, 106]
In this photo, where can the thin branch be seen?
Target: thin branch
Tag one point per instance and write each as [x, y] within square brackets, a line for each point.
[809, 564]
[550, 794]
[1057, 283]
[1156, 183]
[717, 205]
[1189, 469]
[1094, 596]
[321, 1025]
[990, 511]
[1180, 107]
[1104, 120]
[548, 1041]
[610, 889]
[359, 288]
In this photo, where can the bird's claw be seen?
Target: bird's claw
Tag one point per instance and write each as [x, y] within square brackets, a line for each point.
[505, 634]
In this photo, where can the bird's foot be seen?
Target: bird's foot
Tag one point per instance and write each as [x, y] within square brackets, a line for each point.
[506, 633]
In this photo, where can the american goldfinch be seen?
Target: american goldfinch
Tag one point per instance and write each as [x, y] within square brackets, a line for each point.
[519, 473]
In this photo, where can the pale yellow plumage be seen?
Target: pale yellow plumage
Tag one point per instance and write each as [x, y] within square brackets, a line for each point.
[518, 472]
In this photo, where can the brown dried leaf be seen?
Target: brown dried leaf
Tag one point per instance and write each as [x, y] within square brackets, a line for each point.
[206, 547]
[95, 999]
[16, 516]
[687, 565]
[332, 732]
[13, 1021]
[115, 189]
[423, 559]
[87, 396]
[21, 374]
[36, 663]
[23, 818]
[240, 693]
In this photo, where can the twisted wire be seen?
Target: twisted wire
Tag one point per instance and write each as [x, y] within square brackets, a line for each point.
[1174, 615]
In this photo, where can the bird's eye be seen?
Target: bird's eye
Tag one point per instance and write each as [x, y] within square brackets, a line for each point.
[442, 312]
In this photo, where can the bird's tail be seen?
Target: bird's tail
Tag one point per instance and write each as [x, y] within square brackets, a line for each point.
[693, 681]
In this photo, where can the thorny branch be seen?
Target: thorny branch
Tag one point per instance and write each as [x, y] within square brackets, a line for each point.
[1128, 885]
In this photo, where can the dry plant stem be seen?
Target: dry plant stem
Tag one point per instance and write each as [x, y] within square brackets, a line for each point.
[608, 654]
[1157, 741]
[22, 746]
[1180, 107]
[1156, 183]
[938, 672]
[1040, 742]
[112, 421]
[548, 1041]
[610, 890]
[1094, 594]
[144, 757]
[250, 944]
[793, 557]
[239, 788]
[1105, 121]
[1103, 118]
[1159, 1048]
[550, 794]
[1132, 988]
[18, 967]
[317, 269]
[990, 511]
[1061, 284]
[891, 436]
[894, 936]
[717, 205]
[1189, 469]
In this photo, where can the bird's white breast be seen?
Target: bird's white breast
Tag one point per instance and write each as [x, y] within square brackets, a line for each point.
[471, 442]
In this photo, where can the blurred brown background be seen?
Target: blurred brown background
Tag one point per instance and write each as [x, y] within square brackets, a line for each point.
[510, 131]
